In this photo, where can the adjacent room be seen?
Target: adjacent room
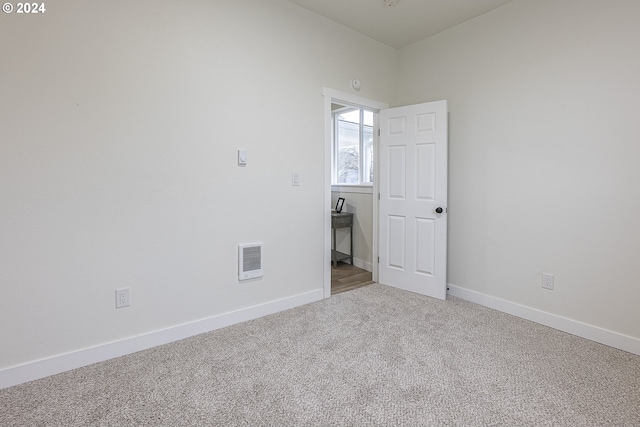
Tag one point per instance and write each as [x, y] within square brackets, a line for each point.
[167, 177]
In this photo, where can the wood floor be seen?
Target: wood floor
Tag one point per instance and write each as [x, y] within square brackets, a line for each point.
[348, 277]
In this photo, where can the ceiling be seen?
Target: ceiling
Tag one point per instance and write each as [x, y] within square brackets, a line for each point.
[403, 24]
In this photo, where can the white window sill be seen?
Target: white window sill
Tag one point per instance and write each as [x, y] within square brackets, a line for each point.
[363, 188]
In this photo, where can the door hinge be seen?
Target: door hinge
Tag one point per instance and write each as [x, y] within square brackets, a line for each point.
[378, 132]
[378, 196]
[378, 260]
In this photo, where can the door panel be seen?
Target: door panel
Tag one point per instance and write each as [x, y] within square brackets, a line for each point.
[425, 171]
[397, 125]
[413, 183]
[397, 243]
[425, 122]
[397, 184]
[425, 256]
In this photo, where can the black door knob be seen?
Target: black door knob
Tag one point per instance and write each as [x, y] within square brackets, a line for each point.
[439, 210]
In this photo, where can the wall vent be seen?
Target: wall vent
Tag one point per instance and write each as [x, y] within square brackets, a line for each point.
[249, 261]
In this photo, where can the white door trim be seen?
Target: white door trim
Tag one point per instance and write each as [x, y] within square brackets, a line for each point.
[329, 95]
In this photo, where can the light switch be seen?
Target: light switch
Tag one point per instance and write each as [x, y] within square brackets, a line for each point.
[295, 179]
[242, 157]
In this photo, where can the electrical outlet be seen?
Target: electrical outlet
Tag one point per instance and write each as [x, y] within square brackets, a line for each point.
[122, 298]
[547, 281]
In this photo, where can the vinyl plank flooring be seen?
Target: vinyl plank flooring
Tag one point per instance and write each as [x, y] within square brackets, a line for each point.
[347, 277]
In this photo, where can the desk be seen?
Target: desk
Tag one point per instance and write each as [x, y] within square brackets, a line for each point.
[341, 220]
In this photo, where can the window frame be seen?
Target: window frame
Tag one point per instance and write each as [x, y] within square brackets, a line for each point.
[345, 107]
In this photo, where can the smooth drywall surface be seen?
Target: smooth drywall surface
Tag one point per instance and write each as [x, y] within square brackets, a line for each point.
[544, 149]
[361, 206]
[119, 130]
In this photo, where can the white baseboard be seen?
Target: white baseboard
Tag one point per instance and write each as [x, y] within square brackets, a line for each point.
[65, 362]
[593, 333]
[363, 264]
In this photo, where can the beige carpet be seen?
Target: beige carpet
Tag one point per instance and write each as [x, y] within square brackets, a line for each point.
[372, 356]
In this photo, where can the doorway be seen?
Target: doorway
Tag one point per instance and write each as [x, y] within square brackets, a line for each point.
[409, 194]
[353, 128]
[359, 198]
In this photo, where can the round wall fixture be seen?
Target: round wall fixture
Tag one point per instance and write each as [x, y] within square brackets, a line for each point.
[355, 84]
[390, 3]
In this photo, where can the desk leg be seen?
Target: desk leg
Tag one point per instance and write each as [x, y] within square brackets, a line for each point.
[351, 244]
[334, 254]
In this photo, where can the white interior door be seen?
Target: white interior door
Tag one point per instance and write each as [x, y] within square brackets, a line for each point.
[413, 198]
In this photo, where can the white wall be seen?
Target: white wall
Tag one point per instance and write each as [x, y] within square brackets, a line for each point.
[361, 206]
[119, 125]
[543, 99]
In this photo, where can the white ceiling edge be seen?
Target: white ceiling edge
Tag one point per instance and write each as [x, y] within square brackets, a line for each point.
[406, 23]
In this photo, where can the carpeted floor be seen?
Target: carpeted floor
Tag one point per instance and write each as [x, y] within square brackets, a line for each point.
[368, 357]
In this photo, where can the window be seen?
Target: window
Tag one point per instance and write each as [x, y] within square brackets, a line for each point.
[352, 145]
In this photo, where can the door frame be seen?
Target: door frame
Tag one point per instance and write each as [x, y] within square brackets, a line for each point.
[350, 99]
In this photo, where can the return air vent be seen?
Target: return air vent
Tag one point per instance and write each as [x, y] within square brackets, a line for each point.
[249, 261]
